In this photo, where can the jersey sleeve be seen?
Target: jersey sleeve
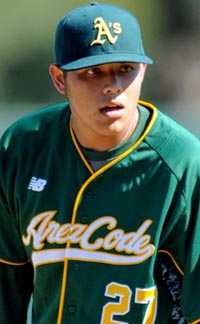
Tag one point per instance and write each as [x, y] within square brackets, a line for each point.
[183, 239]
[16, 272]
[191, 283]
[16, 287]
[11, 247]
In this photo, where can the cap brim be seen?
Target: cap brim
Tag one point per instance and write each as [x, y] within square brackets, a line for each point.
[104, 59]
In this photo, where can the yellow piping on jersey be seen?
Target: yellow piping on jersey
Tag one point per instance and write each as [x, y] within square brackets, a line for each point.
[173, 260]
[180, 270]
[89, 180]
[14, 263]
[196, 322]
[111, 163]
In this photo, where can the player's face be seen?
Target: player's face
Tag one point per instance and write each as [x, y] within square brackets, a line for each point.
[103, 101]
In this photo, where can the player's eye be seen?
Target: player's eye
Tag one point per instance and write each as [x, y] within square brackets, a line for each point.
[128, 67]
[93, 71]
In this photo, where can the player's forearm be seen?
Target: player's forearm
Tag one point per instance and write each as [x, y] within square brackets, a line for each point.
[15, 292]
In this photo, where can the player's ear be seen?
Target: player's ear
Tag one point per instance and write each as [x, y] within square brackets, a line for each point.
[57, 77]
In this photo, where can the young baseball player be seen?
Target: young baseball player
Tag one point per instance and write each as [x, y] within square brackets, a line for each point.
[99, 195]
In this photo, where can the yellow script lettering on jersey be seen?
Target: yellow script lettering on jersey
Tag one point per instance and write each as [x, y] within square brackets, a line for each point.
[43, 229]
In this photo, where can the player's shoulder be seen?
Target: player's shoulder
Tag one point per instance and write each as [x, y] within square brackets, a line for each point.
[176, 145]
[35, 127]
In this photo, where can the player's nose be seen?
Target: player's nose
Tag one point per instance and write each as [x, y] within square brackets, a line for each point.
[112, 84]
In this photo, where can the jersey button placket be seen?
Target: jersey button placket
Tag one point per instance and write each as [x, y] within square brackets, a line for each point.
[76, 266]
[89, 195]
[72, 309]
[84, 219]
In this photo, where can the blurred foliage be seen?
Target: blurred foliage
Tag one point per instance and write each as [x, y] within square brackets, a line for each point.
[170, 33]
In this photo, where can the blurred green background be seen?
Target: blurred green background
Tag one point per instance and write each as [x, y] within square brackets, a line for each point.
[170, 31]
[170, 34]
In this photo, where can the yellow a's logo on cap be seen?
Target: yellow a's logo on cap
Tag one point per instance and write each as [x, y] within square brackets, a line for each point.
[103, 30]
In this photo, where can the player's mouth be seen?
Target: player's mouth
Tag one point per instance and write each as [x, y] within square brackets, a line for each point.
[112, 110]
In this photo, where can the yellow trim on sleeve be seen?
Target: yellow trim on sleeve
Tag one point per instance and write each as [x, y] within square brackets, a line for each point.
[174, 261]
[14, 263]
[196, 322]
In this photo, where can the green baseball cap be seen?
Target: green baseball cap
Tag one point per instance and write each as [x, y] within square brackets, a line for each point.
[98, 34]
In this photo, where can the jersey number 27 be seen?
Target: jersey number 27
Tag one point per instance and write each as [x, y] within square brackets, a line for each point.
[123, 295]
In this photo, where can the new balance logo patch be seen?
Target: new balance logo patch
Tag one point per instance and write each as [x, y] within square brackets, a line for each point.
[37, 184]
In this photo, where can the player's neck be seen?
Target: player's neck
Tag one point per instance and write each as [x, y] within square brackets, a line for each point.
[105, 142]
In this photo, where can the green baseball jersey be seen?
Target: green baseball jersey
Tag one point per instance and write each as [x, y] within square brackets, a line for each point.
[93, 237]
